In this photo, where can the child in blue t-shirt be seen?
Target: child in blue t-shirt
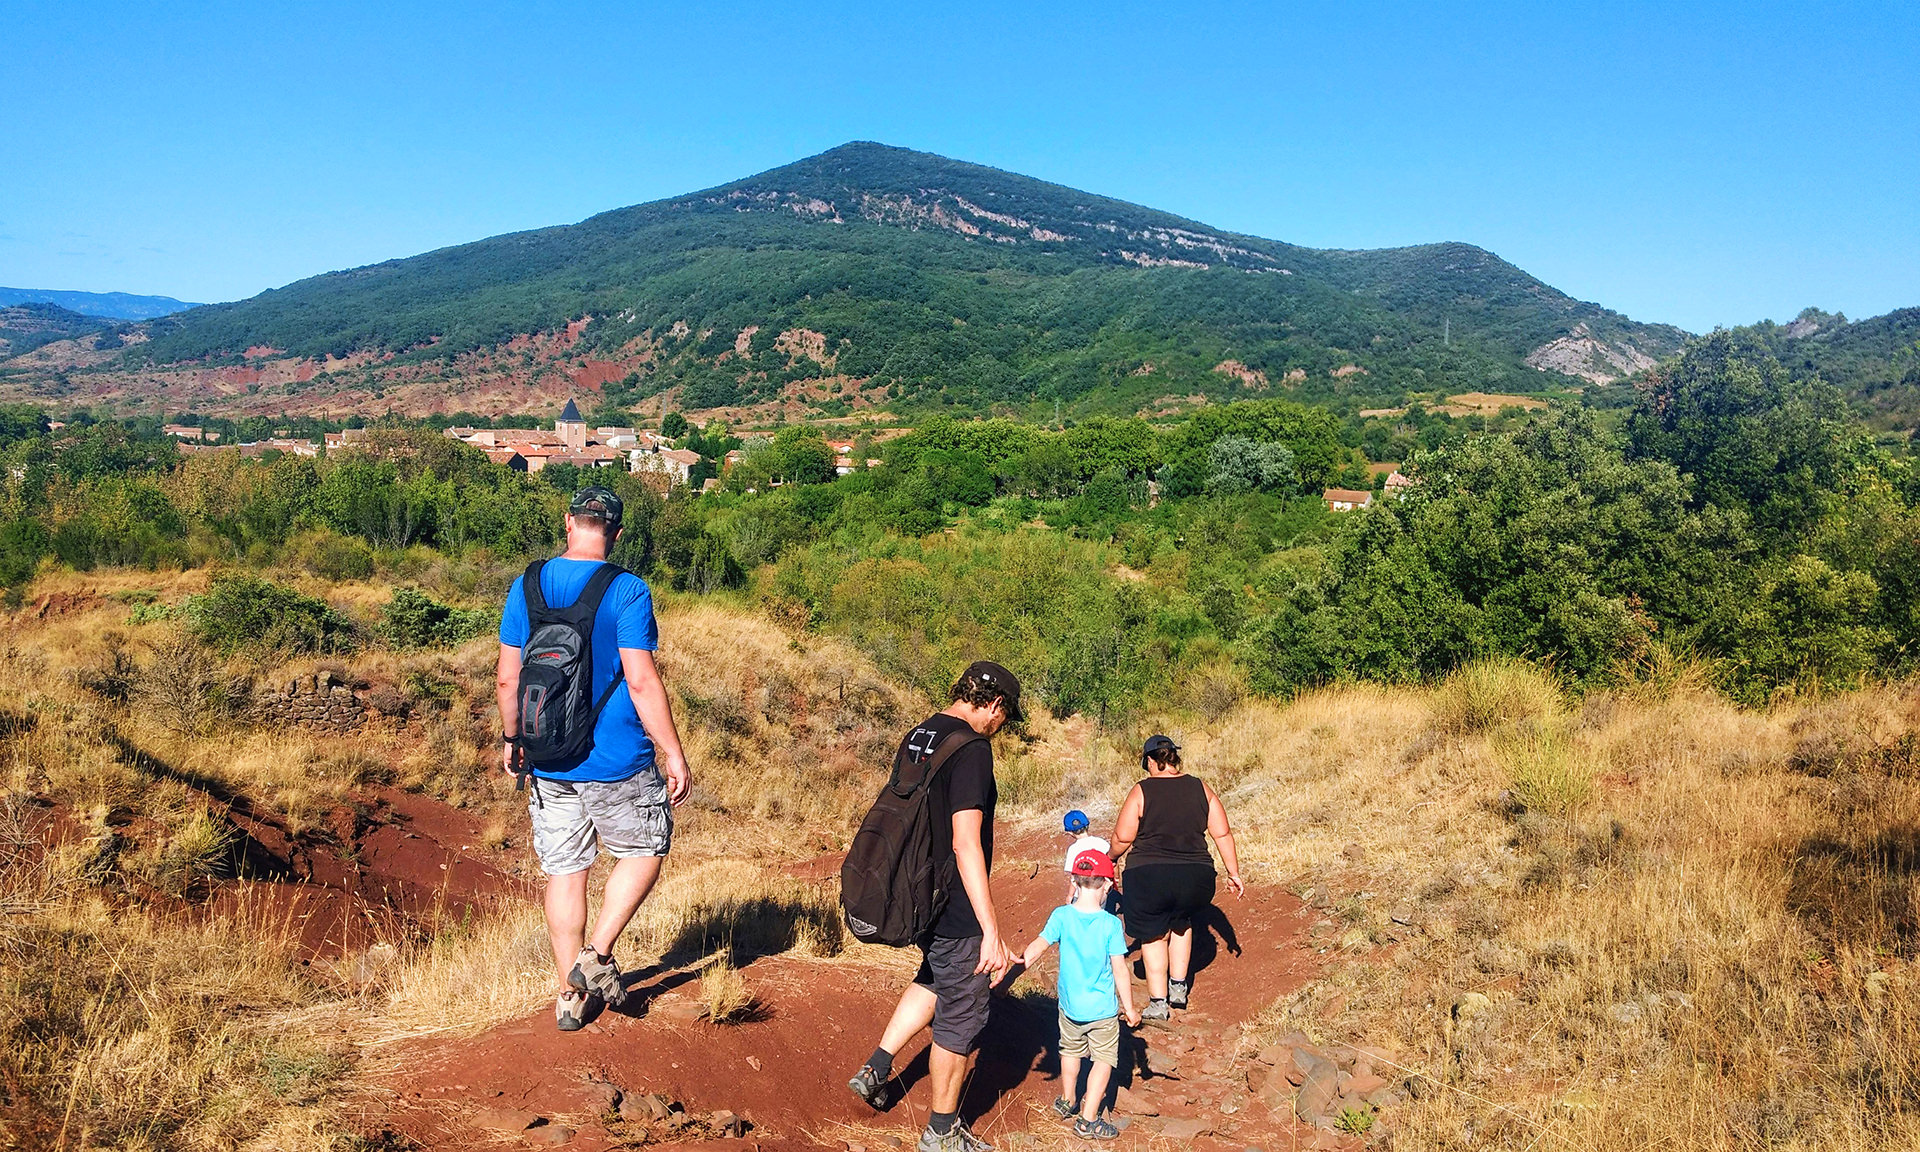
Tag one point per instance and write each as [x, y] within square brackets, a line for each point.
[1094, 992]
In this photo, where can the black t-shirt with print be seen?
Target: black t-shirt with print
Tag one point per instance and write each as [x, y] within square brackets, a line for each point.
[965, 783]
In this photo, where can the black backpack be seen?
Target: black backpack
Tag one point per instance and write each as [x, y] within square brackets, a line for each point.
[890, 886]
[558, 708]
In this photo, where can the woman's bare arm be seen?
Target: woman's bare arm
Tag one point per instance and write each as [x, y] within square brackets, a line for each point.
[1127, 825]
[1222, 833]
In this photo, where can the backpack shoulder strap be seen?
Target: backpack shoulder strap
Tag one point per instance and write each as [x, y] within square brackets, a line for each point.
[596, 589]
[942, 752]
[588, 606]
[530, 588]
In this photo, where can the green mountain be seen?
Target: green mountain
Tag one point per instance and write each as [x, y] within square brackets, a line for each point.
[944, 282]
[1875, 362]
[24, 327]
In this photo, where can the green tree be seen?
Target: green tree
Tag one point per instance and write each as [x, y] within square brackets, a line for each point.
[1237, 464]
[1749, 433]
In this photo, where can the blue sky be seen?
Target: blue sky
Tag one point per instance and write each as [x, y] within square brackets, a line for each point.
[1700, 164]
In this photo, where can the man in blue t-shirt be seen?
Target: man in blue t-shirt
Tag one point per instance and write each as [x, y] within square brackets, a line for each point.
[619, 795]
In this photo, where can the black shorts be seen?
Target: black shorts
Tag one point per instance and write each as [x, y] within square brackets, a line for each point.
[960, 997]
[1161, 898]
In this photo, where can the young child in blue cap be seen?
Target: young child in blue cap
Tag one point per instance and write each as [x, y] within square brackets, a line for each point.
[1076, 825]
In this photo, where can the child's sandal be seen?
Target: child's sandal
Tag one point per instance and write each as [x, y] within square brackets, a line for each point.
[1097, 1129]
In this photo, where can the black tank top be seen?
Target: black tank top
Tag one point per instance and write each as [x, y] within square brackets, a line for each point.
[1173, 822]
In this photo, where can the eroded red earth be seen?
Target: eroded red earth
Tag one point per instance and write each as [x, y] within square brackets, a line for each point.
[786, 1070]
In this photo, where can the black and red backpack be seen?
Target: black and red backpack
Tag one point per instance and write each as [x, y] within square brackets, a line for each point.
[558, 702]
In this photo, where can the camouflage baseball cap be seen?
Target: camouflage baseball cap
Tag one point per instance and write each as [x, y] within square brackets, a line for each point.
[599, 503]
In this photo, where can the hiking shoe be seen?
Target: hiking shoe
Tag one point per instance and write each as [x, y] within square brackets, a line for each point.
[1177, 991]
[570, 1011]
[600, 977]
[973, 1143]
[1063, 1109]
[1156, 1009]
[952, 1141]
[1099, 1128]
[871, 1088]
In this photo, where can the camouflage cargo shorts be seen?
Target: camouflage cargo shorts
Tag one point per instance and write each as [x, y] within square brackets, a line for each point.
[574, 821]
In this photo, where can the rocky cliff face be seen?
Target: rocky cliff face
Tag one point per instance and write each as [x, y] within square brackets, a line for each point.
[1582, 354]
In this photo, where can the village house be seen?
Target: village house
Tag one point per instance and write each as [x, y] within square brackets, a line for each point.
[567, 442]
[281, 444]
[1346, 499]
[1398, 483]
[190, 432]
[674, 463]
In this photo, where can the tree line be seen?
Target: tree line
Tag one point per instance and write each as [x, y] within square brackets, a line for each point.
[1735, 513]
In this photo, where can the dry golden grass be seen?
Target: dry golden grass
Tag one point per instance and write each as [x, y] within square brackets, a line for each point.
[724, 996]
[1698, 943]
[134, 1031]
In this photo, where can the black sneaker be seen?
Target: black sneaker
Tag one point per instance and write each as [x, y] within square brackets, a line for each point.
[874, 1091]
[1177, 991]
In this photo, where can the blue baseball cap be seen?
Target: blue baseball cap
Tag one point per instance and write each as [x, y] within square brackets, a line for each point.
[1076, 821]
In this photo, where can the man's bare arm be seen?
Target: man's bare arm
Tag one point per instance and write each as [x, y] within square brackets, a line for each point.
[971, 854]
[506, 678]
[656, 713]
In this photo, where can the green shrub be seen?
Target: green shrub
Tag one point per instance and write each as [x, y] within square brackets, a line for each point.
[1487, 693]
[246, 612]
[412, 619]
[1545, 772]
[332, 556]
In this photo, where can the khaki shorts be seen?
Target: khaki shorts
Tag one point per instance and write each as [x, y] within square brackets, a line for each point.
[573, 822]
[1099, 1039]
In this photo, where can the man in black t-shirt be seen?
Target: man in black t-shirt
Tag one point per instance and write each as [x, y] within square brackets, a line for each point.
[966, 954]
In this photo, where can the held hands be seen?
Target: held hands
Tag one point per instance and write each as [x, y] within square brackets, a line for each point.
[994, 957]
[1133, 1016]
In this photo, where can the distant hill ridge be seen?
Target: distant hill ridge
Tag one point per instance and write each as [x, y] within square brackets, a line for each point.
[108, 305]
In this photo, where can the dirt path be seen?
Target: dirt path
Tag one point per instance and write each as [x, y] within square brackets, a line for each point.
[786, 1071]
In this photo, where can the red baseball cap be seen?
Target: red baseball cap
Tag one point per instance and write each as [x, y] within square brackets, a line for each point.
[1093, 862]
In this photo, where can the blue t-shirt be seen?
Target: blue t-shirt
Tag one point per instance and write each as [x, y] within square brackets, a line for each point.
[625, 620]
[1088, 942]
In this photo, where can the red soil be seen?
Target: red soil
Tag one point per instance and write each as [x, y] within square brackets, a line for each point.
[389, 867]
[786, 1070]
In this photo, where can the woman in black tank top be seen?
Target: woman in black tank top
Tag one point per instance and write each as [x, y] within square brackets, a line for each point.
[1162, 831]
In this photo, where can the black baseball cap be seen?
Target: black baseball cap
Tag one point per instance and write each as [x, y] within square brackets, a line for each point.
[599, 503]
[987, 672]
[1156, 745]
